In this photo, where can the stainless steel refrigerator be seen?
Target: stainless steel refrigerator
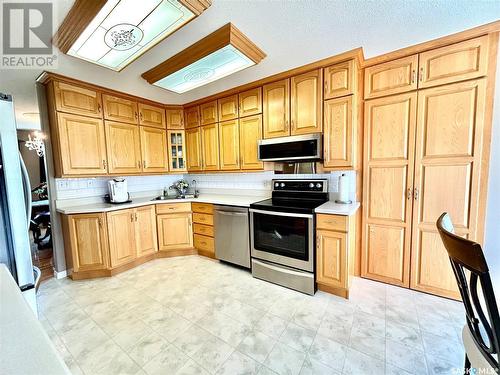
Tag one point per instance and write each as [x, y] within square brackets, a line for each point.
[15, 205]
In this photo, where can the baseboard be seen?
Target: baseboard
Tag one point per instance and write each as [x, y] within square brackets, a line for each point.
[62, 274]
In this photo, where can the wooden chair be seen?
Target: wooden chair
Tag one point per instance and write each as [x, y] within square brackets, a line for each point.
[481, 334]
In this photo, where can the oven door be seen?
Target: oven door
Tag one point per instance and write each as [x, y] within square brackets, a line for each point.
[283, 238]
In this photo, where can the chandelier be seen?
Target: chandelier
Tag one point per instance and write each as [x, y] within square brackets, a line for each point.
[36, 143]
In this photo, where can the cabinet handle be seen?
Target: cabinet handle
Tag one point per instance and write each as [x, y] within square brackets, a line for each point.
[413, 76]
[139, 164]
[104, 164]
[416, 194]
[140, 115]
[421, 75]
[135, 114]
[326, 87]
[99, 107]
[408, 194]
[135, 216]
[131, 217]
[99, 221]
[144, 163]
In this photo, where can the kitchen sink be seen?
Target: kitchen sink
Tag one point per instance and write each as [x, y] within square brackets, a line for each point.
[165, 198]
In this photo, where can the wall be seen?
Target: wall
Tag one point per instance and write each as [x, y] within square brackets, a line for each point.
[492, 229]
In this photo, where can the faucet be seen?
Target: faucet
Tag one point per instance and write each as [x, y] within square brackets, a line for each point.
[196, 192]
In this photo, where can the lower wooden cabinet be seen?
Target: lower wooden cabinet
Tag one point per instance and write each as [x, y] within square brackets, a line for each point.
[121, 232]
[86, 241]
[175, 231]
[203, 219]
[335, 251]
[145, 230]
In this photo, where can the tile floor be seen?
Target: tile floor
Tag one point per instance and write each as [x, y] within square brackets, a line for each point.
[192, 315]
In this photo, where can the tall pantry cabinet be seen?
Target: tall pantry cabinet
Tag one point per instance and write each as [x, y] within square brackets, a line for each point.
[424, 155]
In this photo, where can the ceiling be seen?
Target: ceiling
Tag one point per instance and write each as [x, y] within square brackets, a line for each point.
[291, 32]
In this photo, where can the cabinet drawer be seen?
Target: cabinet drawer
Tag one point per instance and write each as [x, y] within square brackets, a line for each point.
[204, 243]
[332, 222]
[203, 218]
[170, 208]
[205, 230]
[203, 208]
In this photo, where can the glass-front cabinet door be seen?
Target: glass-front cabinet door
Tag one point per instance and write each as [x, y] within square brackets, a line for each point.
[176, 149]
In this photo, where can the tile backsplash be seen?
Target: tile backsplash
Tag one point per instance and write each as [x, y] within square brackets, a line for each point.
[255, 183]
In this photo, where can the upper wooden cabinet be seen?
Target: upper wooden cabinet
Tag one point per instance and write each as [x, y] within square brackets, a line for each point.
[192, 117]
[123, 147]
[228, 108]
[119, 109]
[175, 118]
[121, 233]
[154, 149]
[392, 77]
[250, 133]
[77, 100]
[80, 146]
[339, 135]
[86, 241]
[276, 109]
[150, 115]
[339, 79]
[250, 102]
[193, 150]
[306, 103]
[146, 239]
[457, 62]
[229, 142]
[176, 150]
[209, 113]
[210, 147]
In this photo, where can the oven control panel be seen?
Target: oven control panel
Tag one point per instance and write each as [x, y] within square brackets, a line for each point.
[318, 185]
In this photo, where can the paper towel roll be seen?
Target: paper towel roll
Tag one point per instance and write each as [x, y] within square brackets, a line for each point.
[343, 188]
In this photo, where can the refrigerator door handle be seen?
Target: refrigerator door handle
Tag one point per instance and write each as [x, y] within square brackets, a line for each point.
[27, 189]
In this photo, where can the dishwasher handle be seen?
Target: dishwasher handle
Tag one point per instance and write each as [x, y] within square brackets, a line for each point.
[231, 213]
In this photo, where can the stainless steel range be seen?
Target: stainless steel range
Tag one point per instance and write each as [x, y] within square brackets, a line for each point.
[282, 233]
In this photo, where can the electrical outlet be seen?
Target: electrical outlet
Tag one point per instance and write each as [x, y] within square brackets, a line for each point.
[90, 183]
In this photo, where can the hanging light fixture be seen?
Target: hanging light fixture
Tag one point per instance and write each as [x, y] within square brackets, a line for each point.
[36, 143]
[114, 33]
[224, 52]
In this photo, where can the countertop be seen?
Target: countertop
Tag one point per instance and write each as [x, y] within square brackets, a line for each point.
[26, 348]
[329, 207]
[230, 200]
[333, 208]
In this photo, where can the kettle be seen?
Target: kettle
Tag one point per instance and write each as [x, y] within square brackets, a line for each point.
[118, 190]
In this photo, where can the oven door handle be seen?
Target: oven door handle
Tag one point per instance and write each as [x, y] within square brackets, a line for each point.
[288, 214]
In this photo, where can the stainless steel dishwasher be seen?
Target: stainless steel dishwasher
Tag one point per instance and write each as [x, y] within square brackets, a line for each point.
[232, 240]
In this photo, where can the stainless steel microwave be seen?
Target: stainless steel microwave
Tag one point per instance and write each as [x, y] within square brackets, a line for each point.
[306, 147]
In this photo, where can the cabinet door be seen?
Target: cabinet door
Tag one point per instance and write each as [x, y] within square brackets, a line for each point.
[389, 138]
[229, 141]
[338, 137]
[123, 147]
[458, 62]
[209, 113]
[392, 77]
[81, 145]
[339, 80]
[154, 149]
[119, 109]
[150, 115]
[176, 150]
[331, 259]
[276, 109]
[306, 103]
[175, 118]
[121, 233]
[210, 147]
[447, 177]
[250, 102]
[175, 231]
[192, 117]
[250, 133]
[88, 241]
[228, 108]
[193, 149]
[77, 100]
[146, 240]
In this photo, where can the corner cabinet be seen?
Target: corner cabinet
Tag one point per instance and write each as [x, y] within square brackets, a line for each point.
[177, 150]
[175, 227]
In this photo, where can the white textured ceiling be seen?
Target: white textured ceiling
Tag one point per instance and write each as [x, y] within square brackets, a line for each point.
[291, 32]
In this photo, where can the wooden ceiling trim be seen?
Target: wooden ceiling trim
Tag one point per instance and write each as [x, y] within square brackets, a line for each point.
[196, 6]
[78, 18]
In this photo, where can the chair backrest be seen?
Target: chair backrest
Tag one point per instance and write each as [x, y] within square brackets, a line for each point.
[468, 255]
